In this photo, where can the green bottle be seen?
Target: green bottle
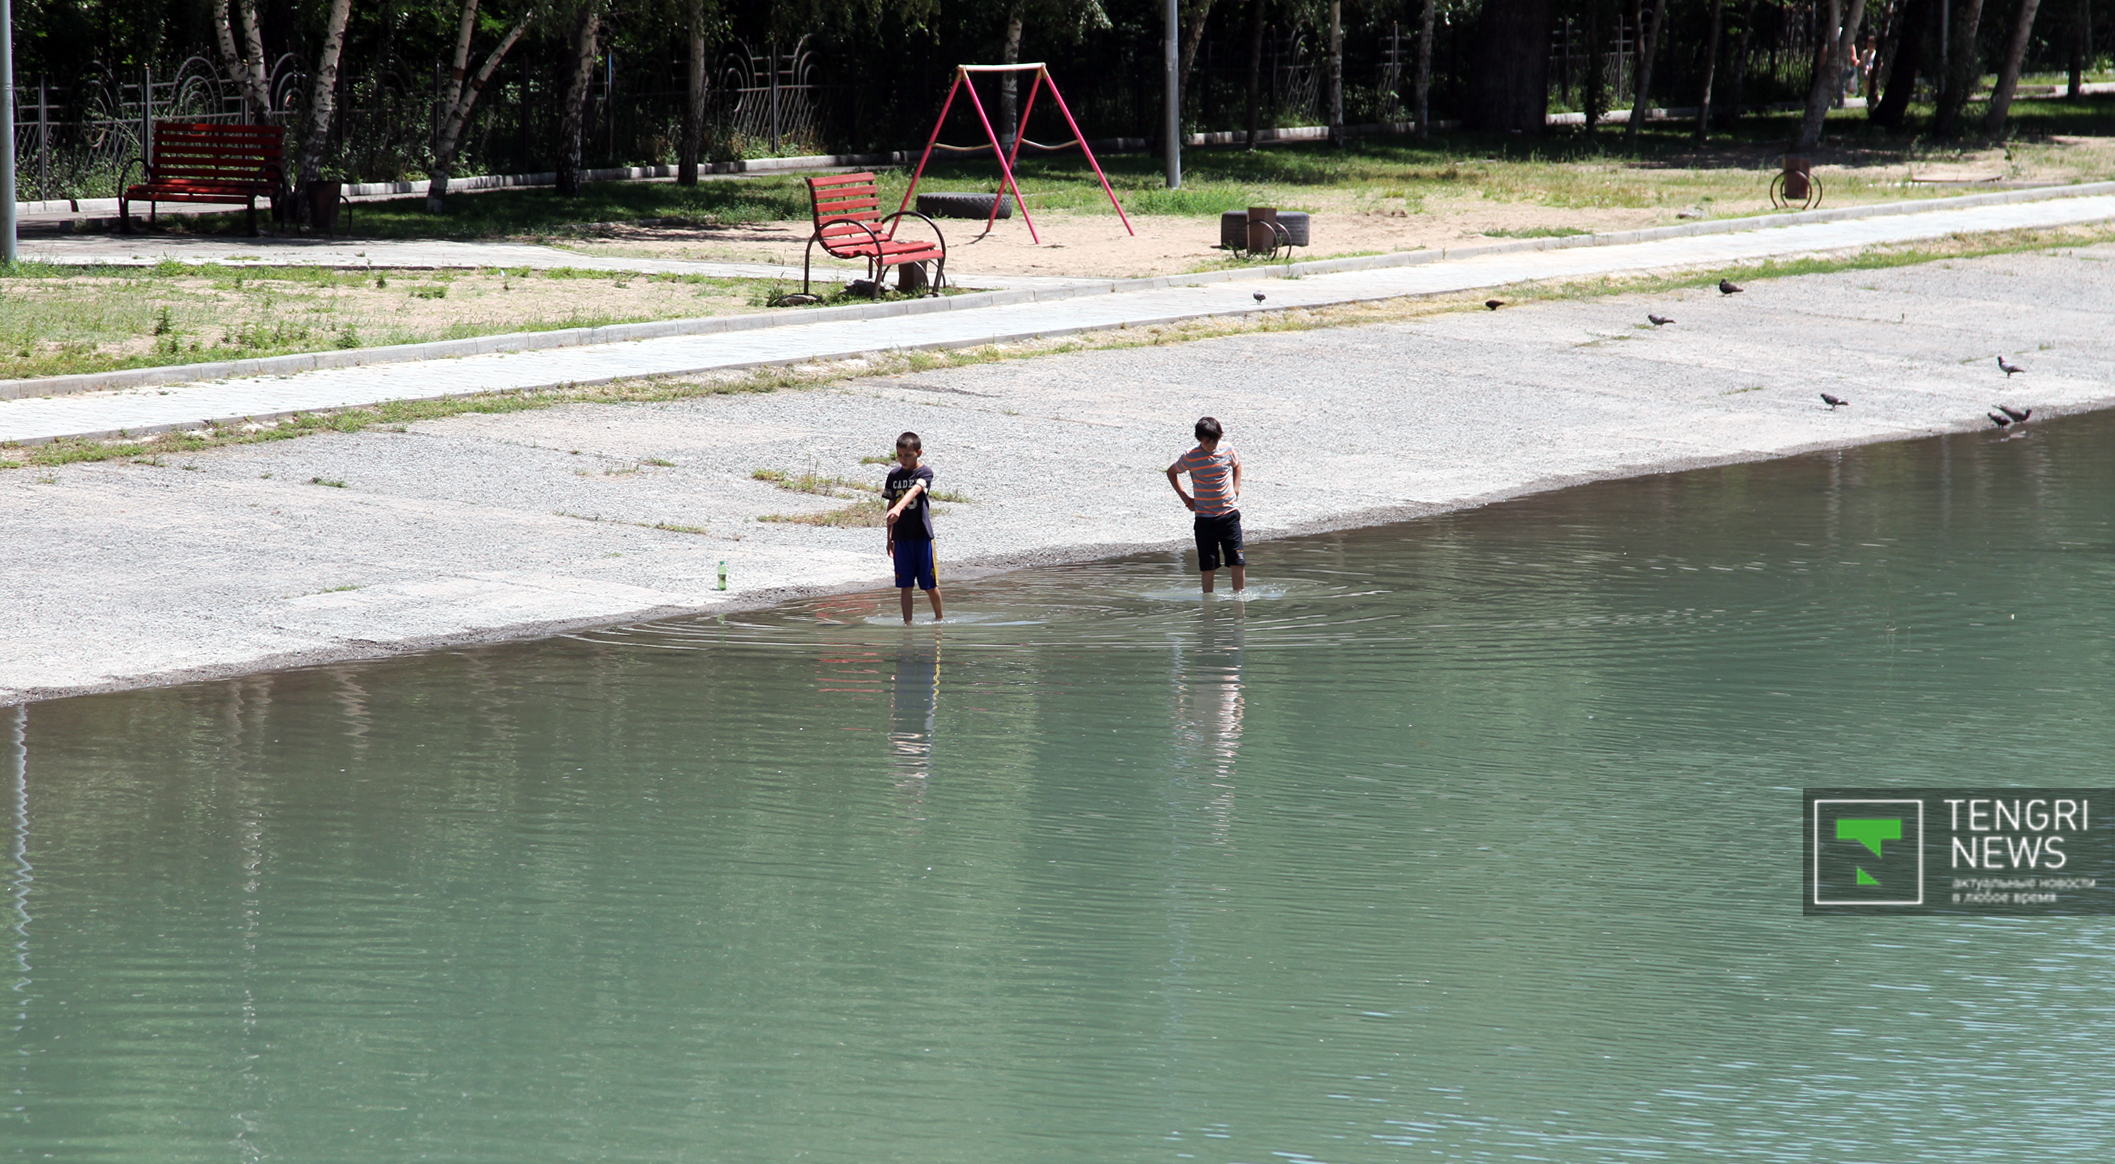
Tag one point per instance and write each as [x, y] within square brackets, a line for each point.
[723, 573]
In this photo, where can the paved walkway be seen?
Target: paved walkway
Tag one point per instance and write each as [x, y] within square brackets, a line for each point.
[186, 405]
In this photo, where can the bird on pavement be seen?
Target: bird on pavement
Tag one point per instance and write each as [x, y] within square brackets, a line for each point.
[2017, 414]
[1998, 418]
[1494, 304]
[1834, 402]
[2010, 369]
[1729, 287]
[1258, 295]
[1659, 320]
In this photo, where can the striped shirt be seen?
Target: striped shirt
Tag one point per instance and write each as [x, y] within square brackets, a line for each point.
[1211, 478]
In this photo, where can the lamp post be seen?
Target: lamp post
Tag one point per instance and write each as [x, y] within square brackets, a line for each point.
[1171, 67]
[7, 133]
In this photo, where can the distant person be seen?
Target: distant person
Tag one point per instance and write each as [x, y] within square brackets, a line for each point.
[1215, 475]
[910, 521]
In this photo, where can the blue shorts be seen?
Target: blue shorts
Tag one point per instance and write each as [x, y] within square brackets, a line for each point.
[914, 565]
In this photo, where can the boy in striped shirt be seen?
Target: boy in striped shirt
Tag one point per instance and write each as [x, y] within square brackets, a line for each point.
[1215, 475]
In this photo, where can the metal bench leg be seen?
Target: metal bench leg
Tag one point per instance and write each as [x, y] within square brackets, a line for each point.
[253, 216]
[124, 216]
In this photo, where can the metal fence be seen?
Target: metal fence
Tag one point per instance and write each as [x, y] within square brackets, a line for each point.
[74, 140]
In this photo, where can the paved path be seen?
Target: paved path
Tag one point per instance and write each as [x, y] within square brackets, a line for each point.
[187, 405]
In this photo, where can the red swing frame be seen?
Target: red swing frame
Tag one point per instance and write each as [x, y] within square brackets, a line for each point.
[1007, 158]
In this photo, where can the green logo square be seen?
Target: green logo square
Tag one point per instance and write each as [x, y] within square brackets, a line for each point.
[1868, 852]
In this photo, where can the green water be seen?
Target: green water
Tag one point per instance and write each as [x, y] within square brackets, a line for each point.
[1473, 838]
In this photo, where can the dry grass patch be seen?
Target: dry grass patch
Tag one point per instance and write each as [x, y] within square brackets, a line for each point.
[61, 320]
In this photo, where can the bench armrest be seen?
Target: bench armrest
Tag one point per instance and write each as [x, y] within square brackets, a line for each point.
[922, 218]
[873, 235]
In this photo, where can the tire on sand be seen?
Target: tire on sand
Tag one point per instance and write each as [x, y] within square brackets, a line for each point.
[957, 205]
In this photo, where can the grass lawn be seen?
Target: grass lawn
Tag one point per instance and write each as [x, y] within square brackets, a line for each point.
[1568, 168]
[56, 320]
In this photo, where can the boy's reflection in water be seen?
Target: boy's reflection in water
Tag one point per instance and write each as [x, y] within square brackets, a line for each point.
[1208, 708]
[914, 698]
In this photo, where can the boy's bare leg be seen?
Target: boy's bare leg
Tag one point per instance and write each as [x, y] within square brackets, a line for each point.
[933, 594]
[1240, 577]
[1207, 574]
[906, 593]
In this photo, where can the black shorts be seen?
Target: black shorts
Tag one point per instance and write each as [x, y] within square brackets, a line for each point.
[1219, 540]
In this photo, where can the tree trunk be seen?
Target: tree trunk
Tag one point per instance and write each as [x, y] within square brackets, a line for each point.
[1703, 107]
[322, 102]
[1255, 68]
[1424, 71]
[693, 146]
[459, 98]
[1192, 37]
[245, 68]
[1740, 68]
[1510, 71]
[573, 116]
[1914, 23]
[1643, 104]
[2009, 76]
[1009, 86]
[1961, 70]
[2081, 45]
[1336, 71]
[1837, 55]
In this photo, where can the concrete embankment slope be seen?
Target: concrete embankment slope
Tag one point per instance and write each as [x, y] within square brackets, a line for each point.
[484, 527]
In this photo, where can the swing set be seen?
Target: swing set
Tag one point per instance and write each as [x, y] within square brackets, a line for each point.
[1007, 158]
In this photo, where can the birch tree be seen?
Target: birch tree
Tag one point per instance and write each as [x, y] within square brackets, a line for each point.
[322, 98]
[459, 93]
[245, 67]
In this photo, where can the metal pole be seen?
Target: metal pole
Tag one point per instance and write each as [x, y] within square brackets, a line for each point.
[1336, 71]
[774, 98]
[1171, 62]
[1945, 59]
[7, 132]
[43, 141]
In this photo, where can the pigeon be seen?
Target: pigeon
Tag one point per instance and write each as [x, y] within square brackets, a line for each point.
[1659, 320]
[1258, 295]
[1834, 402]
[1494, 304]
[1729, 287]
[1998, 418]
[2010, 369]
[2017, 414]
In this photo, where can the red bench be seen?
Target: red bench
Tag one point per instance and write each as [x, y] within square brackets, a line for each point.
[849, 225]
[208, 162]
